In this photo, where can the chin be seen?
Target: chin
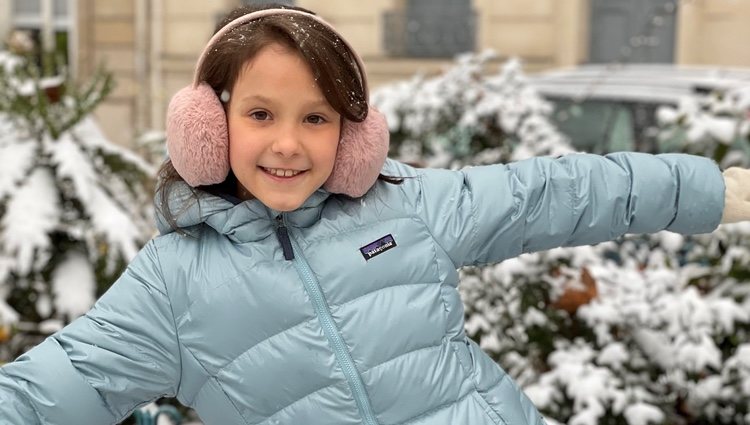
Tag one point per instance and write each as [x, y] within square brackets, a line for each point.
[283, 206]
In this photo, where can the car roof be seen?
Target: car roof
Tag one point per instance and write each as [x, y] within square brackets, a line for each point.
[647, 83]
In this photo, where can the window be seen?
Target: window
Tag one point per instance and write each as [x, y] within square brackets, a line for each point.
[430, 28]
[636, 31]
[27, 15]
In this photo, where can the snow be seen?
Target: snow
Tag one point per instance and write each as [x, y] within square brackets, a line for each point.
[50, 326]
[436, 119]
[643, 414]
[7, 313]
[642, 83]
[108, 218]
[118, 228]
[670, 241]
[73, 285]
[73, 164]
[613, 355]
[66, 206]
[32, 213]
[697, 354]
[534, 317]
[28, 88]
[22, 152]
[726, 313]
[88, 134]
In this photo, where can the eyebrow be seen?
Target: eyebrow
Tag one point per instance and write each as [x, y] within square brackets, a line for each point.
[263, 99]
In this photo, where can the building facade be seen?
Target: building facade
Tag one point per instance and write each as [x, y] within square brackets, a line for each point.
[151, 45]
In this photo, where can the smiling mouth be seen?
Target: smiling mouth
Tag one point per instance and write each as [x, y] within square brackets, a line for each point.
[281, 172]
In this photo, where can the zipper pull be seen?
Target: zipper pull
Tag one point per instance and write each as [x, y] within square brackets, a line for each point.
[283, 235]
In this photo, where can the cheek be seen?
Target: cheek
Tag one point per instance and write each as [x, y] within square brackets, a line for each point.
[234, 147]
[240, 151]
[331, 147]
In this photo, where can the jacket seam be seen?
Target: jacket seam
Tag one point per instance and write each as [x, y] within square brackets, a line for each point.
[498, 382]
[474, 215]
[221, 387]
[269, 417]
[517, 213]
[575, 205]
[137, 348]
[495, 384]
[424, 222]
[132, 409]
[39, 417]
[398, 285]
[209, 376]
[384, 362]
[437, 408]
[470, 377]
[228, 281]
[488, 409]
[237, 357]
[678, 192]
[171, 310]
[310, 241]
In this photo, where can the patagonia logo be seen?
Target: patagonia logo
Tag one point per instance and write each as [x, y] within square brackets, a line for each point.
[378, 247]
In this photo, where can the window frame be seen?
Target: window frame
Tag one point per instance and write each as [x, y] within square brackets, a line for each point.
[61, 23]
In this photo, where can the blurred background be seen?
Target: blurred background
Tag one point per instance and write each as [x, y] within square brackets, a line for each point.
[648, 329]
[151, 46]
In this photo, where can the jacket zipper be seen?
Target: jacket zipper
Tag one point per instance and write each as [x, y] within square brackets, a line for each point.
[312, 286]
[283, 235]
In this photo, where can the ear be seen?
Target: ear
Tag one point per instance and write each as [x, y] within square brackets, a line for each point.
[197, 136]
[361, 154]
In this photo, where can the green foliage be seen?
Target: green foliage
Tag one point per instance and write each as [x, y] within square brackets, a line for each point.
[49, 105]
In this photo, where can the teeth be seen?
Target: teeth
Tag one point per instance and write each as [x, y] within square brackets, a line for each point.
[280, 172]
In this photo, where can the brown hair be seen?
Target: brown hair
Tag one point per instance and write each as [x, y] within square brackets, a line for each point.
[333, 65]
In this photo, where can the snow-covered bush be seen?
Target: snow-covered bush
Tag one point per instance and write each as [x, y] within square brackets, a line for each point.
[74, 208]
[643, 330]
[715, 124]
[466, 115]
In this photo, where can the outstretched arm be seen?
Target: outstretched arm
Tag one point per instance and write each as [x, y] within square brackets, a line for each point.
[489, 213]
[99, 368]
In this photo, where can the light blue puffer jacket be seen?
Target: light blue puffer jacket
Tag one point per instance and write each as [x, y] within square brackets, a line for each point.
[230, 327]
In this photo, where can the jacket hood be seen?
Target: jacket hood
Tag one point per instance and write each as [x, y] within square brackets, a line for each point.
[241, 221]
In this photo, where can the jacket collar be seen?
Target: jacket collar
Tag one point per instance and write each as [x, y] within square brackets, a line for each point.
[240, 221]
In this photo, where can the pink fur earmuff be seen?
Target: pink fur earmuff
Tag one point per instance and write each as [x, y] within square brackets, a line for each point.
[198, 139]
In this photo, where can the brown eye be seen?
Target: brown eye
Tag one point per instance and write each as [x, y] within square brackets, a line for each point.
[315, 119]
[260, 115]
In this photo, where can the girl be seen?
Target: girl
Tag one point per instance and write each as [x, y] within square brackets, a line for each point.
[293, 283]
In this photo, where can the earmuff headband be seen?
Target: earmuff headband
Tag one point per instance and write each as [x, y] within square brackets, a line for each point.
[198, 137]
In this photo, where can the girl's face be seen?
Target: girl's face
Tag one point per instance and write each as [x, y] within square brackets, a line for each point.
[283, 134]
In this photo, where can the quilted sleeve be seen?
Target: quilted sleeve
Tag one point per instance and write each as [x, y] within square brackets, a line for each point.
[489, 213]
[98, 369]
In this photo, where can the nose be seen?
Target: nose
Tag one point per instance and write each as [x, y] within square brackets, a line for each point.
[286, 141]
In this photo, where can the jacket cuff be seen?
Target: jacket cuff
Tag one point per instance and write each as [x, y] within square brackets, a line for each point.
[701, 194]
